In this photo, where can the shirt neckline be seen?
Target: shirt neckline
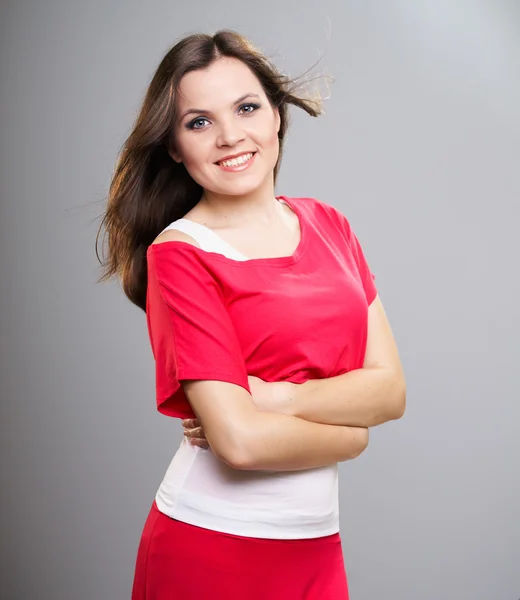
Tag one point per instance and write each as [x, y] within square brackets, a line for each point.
[276, 261]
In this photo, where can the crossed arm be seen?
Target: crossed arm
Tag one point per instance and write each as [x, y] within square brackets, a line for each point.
[364, 397]
[290, 427]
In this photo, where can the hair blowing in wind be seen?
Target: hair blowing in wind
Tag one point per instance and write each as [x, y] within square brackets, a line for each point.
[149, 190]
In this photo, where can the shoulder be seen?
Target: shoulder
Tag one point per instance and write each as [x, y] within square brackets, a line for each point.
[322, 213]
[175, 259]
[172, 245]
[174, 253]
[174, 235]
[312, 205]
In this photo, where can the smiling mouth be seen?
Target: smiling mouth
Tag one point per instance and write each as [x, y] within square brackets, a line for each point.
[236, 162]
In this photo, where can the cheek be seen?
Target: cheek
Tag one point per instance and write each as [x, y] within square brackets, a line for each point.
[192, 151]
[272, 143]
[271, 138]
[276, 141]
[263, 131]
[264, 139]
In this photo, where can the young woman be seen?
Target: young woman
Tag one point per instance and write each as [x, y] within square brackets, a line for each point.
[269, 338]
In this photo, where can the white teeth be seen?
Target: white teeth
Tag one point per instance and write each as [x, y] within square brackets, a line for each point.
[235, 162]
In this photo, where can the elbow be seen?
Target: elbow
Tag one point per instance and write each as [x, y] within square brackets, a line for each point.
[392, 401]
[358, 444]
[395, 401]
[235, 452]
[362, 443]
[399, 403]
[401, 408]
[238, 459]
[233, 440]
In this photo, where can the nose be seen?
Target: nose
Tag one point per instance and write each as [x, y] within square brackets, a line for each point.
[230, 133]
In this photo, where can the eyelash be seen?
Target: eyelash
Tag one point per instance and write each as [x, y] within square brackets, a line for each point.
[191, 124]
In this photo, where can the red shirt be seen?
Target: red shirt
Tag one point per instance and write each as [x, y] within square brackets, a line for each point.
[291, 318]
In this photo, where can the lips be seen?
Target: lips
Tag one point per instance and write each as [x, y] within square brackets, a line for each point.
[235, 160]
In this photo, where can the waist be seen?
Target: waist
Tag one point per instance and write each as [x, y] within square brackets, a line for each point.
[201, 490]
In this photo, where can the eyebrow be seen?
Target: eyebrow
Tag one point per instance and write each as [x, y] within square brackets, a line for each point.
[202, 111]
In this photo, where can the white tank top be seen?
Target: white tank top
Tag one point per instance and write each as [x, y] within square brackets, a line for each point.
[200, 489]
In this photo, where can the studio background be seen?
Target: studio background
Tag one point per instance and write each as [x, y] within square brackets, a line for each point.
[419, 147]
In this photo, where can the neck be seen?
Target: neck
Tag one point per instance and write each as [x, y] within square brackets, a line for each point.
[259, 206]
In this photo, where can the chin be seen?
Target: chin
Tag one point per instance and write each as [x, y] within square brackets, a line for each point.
[239, 188]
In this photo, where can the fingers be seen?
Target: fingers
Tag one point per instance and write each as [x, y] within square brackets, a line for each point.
[196, 441]
[199, 442]
[194, 433]
[197, 432]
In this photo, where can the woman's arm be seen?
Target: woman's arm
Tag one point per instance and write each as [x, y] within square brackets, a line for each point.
[359, 399]
[363, 398]
[246, 438]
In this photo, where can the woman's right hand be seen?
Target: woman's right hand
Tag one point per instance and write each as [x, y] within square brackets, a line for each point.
[194, 433]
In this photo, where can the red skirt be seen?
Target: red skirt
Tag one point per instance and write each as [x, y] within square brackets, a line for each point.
[178, 561]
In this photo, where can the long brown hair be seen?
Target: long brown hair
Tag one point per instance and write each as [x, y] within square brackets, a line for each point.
[148, 189]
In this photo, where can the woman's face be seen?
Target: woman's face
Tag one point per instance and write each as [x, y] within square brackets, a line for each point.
[226, 133]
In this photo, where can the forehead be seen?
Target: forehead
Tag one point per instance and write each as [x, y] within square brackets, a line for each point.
[221, 84]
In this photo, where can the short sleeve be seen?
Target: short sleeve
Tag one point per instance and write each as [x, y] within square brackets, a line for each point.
[190, 330]
[365, 273]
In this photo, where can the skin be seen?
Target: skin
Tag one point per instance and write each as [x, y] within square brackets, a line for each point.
[240, 207]
[223, 111]
[365, 397]
[267, 396]
[228, 124]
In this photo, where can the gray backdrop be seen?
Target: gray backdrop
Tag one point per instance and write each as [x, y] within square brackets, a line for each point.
[419, 148]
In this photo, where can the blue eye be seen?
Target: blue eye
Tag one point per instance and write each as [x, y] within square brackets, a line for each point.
[201, 122]
[197, 123]
[250, 106]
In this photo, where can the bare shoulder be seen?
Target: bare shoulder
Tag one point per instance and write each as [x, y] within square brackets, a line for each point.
[173, 235]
